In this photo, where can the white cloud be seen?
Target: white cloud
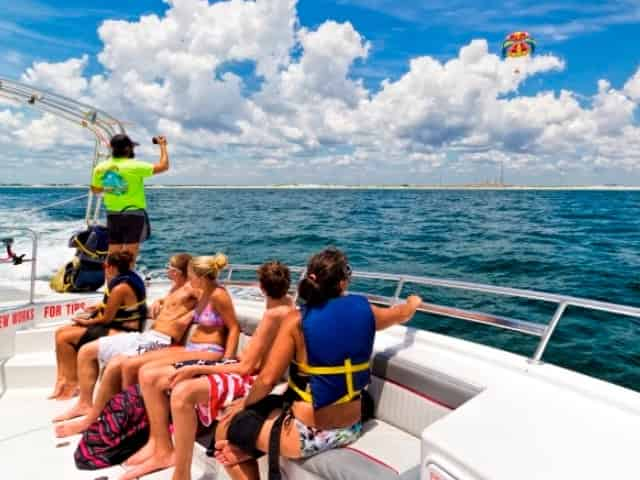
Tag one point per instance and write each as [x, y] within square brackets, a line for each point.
[173, 74]
[632, 87]
[65, 78]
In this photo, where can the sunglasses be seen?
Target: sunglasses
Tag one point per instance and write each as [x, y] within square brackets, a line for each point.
[348, 271]
[171, 267]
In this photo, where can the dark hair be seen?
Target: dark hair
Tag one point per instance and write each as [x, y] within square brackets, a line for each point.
[122, 146]
[181, 262]
[121, 260]
[325, 271]
[275, 278]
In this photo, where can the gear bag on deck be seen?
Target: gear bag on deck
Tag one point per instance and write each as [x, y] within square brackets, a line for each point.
[84, 273]
[121, 430]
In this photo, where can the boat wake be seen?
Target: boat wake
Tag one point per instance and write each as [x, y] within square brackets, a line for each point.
[53, 250]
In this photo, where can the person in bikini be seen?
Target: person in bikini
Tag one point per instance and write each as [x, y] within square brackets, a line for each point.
[205, 389]
[327, 346]
[216, 335]
[172, 318]
[216, 330]
[123, 309]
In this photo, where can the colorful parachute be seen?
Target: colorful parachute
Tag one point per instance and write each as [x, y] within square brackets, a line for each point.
[518, 44]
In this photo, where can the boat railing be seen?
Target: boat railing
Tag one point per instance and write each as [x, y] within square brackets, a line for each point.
[539, 330]
[33, 260]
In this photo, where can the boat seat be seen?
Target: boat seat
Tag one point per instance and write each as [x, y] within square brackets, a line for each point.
[408, 398]
[383, 452]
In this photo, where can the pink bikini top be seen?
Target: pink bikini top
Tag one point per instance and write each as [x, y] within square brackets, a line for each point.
[208, 317]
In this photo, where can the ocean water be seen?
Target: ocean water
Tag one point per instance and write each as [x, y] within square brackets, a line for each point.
[581, 243]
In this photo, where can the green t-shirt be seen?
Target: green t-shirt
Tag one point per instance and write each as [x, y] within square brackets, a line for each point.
[123, 182]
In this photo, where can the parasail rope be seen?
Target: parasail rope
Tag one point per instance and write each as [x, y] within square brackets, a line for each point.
[55, 204]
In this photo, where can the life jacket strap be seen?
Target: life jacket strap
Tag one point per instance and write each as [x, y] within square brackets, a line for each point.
[304, 395]
[347, 369]
[89, 253]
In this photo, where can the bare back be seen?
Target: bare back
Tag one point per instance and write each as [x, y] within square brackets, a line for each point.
[177, 312]
[256, 350]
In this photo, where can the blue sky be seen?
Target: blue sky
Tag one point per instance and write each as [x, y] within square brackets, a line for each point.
[592, 40]
[600, 36]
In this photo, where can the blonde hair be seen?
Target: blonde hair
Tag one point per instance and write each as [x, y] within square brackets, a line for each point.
[209, 266]
[181, 262]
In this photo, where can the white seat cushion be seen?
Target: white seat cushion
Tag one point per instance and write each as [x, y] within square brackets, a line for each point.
[383, 452]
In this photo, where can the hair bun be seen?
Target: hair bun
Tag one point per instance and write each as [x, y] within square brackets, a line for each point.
[219, 261]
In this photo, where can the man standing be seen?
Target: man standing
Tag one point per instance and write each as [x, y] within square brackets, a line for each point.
[121, 179]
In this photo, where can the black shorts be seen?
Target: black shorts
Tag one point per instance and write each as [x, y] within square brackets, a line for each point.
[127, 227]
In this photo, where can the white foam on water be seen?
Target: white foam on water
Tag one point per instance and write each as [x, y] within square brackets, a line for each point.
[53, 240]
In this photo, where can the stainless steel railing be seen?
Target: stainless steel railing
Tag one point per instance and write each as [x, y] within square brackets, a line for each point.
[102, 125]
[541, 331]
[33, 260]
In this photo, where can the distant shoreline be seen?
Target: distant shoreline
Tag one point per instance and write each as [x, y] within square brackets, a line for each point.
[360, 187]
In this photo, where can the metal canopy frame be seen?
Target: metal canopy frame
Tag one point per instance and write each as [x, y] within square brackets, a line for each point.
[101, 124]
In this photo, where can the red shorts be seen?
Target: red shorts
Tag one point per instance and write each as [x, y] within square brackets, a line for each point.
[224, 388]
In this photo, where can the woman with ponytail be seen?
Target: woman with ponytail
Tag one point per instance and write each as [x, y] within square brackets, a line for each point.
[327, 346]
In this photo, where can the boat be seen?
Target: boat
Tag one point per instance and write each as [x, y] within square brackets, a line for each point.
[445, 408]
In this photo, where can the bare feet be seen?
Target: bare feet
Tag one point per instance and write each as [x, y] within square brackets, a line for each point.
[229, 455]
[57, 389]
[142, 455]
[157, 462]
[78, 410]
[68, 392]
[72, 428]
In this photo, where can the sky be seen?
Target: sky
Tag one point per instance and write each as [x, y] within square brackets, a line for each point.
[331, 91]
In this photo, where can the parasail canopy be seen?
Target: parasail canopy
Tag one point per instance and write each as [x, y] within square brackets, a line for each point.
[518, 44]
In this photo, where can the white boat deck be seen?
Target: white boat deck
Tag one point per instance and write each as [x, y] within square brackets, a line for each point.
[529, 421]
[30, 450]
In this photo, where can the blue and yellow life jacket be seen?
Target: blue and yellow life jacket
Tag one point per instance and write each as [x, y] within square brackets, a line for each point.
[338, 336]
[128, 313]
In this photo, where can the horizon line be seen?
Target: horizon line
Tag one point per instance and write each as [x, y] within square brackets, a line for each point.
[321, 186]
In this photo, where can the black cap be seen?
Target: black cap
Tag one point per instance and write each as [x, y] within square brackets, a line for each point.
[121, 141]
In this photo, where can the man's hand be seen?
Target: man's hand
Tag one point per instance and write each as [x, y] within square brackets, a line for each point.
[163, 163]
[185, 373]
[236, 407]
[155, 308]
[82, 321]
[414, 301]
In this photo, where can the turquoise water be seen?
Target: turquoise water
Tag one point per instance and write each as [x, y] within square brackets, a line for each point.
[570, 242]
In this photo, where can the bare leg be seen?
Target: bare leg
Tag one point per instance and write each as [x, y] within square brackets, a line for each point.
[226, 454]
[57, 389]
[133, 249]
[132, 366]
[165, 356]
[153, 383]
[67, 378]
[184, 399]
[88, 370]
[109, 386]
